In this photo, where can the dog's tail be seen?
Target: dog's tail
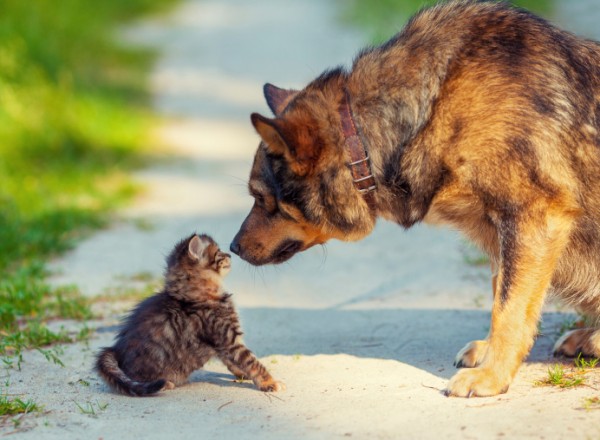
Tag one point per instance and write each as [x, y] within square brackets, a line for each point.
[108, 368]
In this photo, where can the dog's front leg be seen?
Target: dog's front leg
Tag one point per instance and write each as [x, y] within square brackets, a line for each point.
[530, 245]
[474, 352]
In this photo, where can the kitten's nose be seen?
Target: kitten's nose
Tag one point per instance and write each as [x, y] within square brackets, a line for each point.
[235, 247]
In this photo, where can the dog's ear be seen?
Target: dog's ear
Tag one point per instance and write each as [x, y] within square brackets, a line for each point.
[270, 133]
[277, 98]
[296, 147]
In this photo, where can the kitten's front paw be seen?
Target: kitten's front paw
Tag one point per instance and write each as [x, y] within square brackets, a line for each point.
[223, 263]
[272, 386]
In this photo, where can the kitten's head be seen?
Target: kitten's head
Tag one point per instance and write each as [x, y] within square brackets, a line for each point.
[199, 253]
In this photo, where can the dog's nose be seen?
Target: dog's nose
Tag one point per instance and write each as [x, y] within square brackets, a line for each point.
[235, 247]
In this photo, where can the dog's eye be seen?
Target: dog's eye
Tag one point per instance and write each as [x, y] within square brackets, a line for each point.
[266, 202]
[289, 212]
[260, 199]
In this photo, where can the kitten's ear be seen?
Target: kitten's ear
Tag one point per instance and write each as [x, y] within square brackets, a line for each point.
[195, 248]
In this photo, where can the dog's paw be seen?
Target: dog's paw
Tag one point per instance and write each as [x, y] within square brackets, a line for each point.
[272, 386]
[471, 355]
[584, 340]
[476, 382]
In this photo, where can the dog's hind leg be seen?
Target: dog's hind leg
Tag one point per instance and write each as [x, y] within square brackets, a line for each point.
[530, 245]
[584, 341]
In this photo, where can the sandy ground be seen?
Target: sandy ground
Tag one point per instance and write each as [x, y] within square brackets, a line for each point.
[363, 334]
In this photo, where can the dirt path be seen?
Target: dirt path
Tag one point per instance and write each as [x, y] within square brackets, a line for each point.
[363, 334]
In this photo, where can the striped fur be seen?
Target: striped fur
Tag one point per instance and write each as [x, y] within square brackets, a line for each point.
[108, 368]
[171, 334]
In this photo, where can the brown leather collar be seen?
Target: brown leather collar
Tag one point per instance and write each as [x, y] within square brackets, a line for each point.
[360, 163]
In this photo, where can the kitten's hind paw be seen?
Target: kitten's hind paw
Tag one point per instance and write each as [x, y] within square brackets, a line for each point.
[272, 386]
[168, 386]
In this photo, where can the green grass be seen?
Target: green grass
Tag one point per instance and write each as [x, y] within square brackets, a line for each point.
[73, 123]
[558, 377]
[571, 378]
[384, 18]
[11, 407]
[12, 410]
[584, 364]
[91, 408]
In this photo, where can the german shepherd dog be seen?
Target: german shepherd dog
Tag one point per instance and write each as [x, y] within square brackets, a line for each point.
[477, 115]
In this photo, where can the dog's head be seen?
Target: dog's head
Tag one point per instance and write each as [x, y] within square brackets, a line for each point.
[303, 190]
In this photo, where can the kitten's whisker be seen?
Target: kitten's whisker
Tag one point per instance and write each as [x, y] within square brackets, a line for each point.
[271, 396]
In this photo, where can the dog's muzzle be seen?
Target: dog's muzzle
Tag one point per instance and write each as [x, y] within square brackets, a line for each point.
[283, 252]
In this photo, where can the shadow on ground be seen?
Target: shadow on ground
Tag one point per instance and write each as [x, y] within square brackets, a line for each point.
[425, 339]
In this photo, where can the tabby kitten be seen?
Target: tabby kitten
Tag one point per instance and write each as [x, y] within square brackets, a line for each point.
[171, 334]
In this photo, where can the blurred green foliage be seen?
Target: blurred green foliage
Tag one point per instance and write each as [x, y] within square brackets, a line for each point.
[383, 18]
[73, 120]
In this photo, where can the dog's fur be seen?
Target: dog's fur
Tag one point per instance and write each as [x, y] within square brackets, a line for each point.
[477, 115]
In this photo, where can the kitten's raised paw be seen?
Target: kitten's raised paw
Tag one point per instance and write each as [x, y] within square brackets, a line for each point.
[272, 386]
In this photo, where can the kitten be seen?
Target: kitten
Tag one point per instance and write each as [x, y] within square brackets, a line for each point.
[171, 334]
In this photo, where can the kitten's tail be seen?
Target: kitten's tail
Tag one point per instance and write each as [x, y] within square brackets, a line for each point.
[108, 368]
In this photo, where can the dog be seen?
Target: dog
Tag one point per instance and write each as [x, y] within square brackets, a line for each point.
[478, 115]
